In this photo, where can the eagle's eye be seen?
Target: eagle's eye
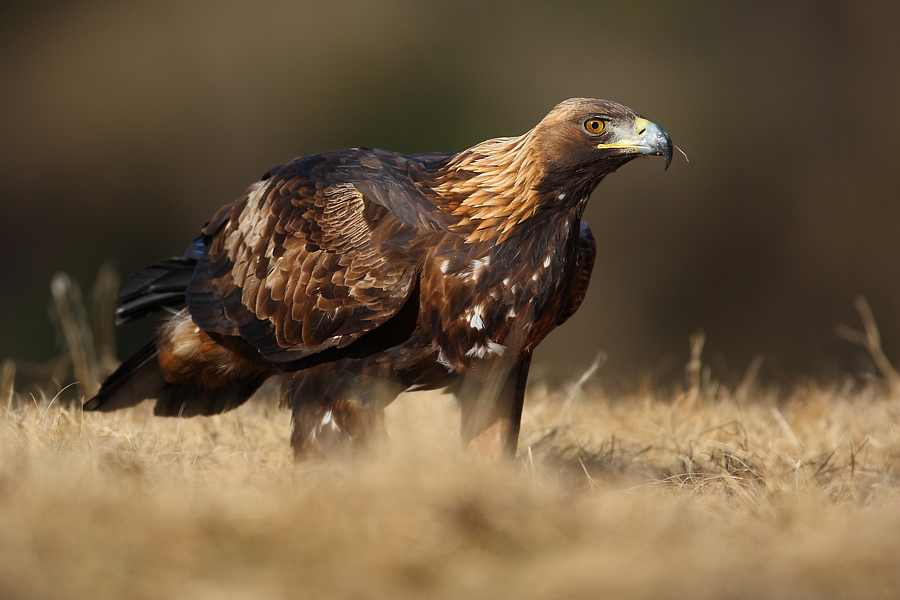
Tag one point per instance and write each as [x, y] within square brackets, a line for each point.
[593, 125]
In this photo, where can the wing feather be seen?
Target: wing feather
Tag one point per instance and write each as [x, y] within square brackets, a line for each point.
[305, 261]
[584, 265]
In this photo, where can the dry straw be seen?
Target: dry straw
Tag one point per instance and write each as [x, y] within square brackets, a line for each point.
[698, 493]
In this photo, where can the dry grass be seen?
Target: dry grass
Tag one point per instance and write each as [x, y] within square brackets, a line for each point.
[699, 494]
[705, 493]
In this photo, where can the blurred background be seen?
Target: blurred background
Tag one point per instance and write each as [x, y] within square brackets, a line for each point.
[125, 125]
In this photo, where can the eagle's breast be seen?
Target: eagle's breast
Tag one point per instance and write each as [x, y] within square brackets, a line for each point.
[483, 302]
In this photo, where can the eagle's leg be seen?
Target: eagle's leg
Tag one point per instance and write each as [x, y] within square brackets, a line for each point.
[490, 421]
[335, 410]
[333, 428]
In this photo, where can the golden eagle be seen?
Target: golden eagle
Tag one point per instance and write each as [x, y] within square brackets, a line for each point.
[355, 275]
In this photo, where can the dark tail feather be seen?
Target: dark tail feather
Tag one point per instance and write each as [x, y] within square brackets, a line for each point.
[140, 378]
[153, 288]
[180, 400]
[158, 286]
[136, 379]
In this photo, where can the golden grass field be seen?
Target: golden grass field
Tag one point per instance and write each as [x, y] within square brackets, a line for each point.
[696, 494]
[701, 493]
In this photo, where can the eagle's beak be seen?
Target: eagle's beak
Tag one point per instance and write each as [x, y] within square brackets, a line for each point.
[653, 140]
[649, 138]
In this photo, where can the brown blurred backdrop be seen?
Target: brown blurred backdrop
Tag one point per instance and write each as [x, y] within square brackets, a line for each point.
[125, 125]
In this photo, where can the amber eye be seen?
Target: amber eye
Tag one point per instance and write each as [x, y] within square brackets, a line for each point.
[593, 125]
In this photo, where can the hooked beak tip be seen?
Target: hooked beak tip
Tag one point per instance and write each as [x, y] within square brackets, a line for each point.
[658, 143]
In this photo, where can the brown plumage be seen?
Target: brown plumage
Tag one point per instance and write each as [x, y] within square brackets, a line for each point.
[358, 274]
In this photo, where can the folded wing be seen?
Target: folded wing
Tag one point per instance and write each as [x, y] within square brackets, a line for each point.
[304, 261]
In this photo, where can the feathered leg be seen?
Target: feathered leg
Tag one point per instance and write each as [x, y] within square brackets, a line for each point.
[490, 419]
[323, 429]
[335, 409]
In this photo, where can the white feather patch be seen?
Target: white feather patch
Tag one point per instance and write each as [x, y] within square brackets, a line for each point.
[475, 320]
[480, 263]
[442, 360]
[483, 350]
[477, 351]
[495, 348]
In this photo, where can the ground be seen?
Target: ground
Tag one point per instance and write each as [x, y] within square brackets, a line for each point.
[696, 493]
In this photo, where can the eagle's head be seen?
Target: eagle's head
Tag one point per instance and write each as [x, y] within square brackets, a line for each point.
[585, 139]
[496, 185]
